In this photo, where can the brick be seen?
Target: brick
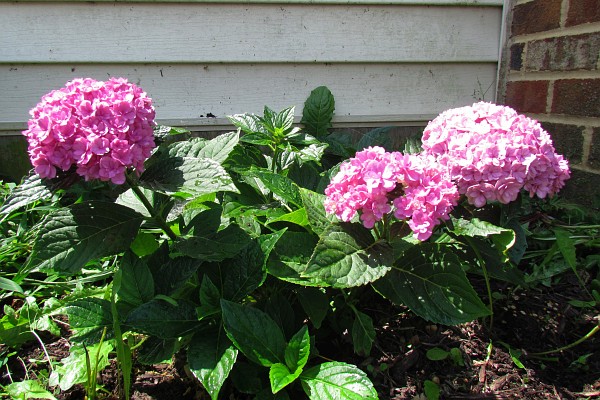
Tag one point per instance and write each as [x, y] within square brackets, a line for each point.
[527, 96]
[568, 140]
[577, 97]
[565, 53]
[516, 56]
[594, 155]
[577, 189]
[536, 16]
[583, 11]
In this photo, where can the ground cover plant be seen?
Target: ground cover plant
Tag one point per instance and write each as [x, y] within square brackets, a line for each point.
[244, 257]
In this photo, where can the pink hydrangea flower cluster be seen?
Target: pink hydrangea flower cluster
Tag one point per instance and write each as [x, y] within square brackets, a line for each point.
[492, 152]
[101, 127]
[376, 182]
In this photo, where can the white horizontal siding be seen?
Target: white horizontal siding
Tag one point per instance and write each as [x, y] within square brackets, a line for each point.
[189, 91]
[191, 33]
[400, 62]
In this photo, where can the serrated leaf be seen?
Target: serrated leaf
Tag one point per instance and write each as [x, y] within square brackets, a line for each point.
[32, 189]
[136, 283]
[298, 350]
[243, 273]
[72, 236]
[210, 296]
[363, 333]
[347, 256]
[297, 217]
[318, 218]
[290, 257]
[89, 317]
[144, 244]
[254, 333]
[318, 111]
[336, 380]
[503, 238]
[211, 357]
[280, 376]
[164, 320]
[279, 185]
[429, 279]
[190, 175]
[248, 123]
[216, 149]
[224, 244]
[28, 389]
[170, 274]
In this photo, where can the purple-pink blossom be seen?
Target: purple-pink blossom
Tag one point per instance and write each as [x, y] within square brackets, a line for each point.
[102, 128]
[375, 183]
[492, 152]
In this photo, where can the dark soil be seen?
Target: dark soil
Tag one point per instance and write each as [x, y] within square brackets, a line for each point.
[540, 320]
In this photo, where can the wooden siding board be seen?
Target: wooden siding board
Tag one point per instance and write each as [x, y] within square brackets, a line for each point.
[189, 91]
[245, 33]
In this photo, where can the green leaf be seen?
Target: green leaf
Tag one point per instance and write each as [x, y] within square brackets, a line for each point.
[224, 244]
[503, 238]
[298, 350]
[211, 357]
[279, 185]
[336, 380]
[254, 333]
[437, 354]
[248, 123]
[163, 319]
[429, 279]
[10, 286]
[156, 351]
[216, 149]
[210, 296]
[32, 189]
[347, 255]
[28, 389]
[315, 303]
[72, 236]
[297, 217]
[189, 175]
[73, 369]
[290, 256]
[137, 285]
[318, 111]
[280, 376]
[431, 389]
[88, 317]
[377, 137]
[129, 199]
[144, 244]
[566, 245]
[170, 274]
[313, 204]
[363, 333]
[243, 273]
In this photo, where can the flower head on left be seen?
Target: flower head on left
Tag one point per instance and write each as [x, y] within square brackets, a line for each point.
[101, 128]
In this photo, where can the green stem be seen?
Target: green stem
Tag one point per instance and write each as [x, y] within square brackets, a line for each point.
[486, 278]
[575, 343]
[159, 220]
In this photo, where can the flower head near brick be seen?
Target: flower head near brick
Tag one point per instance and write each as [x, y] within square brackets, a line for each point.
[376, 183]
[102, 128]
[492, 152]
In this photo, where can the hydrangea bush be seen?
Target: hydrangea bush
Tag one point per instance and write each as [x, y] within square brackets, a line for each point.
[102, 128]
[228, 247]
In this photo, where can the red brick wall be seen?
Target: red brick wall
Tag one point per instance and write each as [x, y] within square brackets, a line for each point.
[551, 72]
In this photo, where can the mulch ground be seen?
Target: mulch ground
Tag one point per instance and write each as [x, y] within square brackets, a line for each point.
[539, 320]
